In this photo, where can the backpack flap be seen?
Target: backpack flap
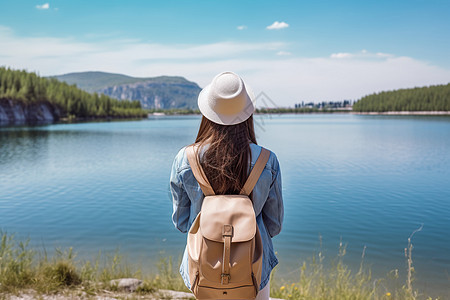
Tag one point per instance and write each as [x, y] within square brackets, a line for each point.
[234, 210]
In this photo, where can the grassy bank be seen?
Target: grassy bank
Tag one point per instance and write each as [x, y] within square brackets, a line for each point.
[23, 268]
[335, 280]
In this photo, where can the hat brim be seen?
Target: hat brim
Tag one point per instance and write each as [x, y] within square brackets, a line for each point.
[222, 119]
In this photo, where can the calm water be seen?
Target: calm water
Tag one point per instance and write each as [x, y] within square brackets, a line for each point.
[368, 180]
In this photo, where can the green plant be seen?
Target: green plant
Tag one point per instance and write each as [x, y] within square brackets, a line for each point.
[167, 278]
[336, 281]
[15, 263]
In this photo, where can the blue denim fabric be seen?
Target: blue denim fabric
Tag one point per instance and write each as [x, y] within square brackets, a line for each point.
[267, 203]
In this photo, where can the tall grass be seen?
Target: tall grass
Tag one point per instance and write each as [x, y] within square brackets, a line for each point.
[168, 277]
[16, 264]
[23, 268]
[322, 281]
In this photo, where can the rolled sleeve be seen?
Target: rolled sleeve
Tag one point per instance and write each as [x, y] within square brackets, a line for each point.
[180, 199]
[273, 210]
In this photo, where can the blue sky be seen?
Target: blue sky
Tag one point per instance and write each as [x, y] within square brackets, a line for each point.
[318, 50]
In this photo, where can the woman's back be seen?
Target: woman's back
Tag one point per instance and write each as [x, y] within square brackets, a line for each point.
[267, 188]
[267, 203]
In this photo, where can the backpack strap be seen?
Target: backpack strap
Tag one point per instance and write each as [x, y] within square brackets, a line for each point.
[252, 179]
[198, 172]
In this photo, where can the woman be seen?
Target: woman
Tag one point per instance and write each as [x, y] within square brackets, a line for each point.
[227, 152]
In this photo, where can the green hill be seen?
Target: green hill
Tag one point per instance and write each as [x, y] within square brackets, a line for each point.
[431, 98]
[23, 91]
[163, 92]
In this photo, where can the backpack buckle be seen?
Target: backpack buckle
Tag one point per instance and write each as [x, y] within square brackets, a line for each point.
[225, 278]
[227, 230]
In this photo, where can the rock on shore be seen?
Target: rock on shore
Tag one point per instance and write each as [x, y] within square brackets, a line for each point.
[16, 113]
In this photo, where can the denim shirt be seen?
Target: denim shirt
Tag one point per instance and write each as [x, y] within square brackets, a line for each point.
[267, 203]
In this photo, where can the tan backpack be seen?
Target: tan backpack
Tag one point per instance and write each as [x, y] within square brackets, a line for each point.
[224, 244]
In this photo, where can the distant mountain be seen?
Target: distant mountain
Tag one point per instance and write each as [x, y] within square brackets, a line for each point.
[153, 92]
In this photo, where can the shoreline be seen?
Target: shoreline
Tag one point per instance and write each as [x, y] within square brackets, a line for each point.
[150, 116]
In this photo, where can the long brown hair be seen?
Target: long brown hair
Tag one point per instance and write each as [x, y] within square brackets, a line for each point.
[227, 156]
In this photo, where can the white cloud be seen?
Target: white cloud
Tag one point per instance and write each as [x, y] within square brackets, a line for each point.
[43, 6]
[287, 81]
[278, 25]
[380, 54]
[362, 54]
[341, 55]
[283, 53]
[132, 49]
[241, 27]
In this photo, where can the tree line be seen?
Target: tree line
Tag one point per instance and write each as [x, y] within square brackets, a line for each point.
[299, 110]
[432, 98]
[29, 88]
[325, 105]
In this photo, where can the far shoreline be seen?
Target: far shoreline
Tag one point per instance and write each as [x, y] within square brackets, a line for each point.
[260, 113]
[374, 113]
[405, 113]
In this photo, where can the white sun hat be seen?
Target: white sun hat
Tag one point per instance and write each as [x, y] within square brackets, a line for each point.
[227, 100]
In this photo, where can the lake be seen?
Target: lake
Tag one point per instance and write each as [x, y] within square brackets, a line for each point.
[368, 181]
